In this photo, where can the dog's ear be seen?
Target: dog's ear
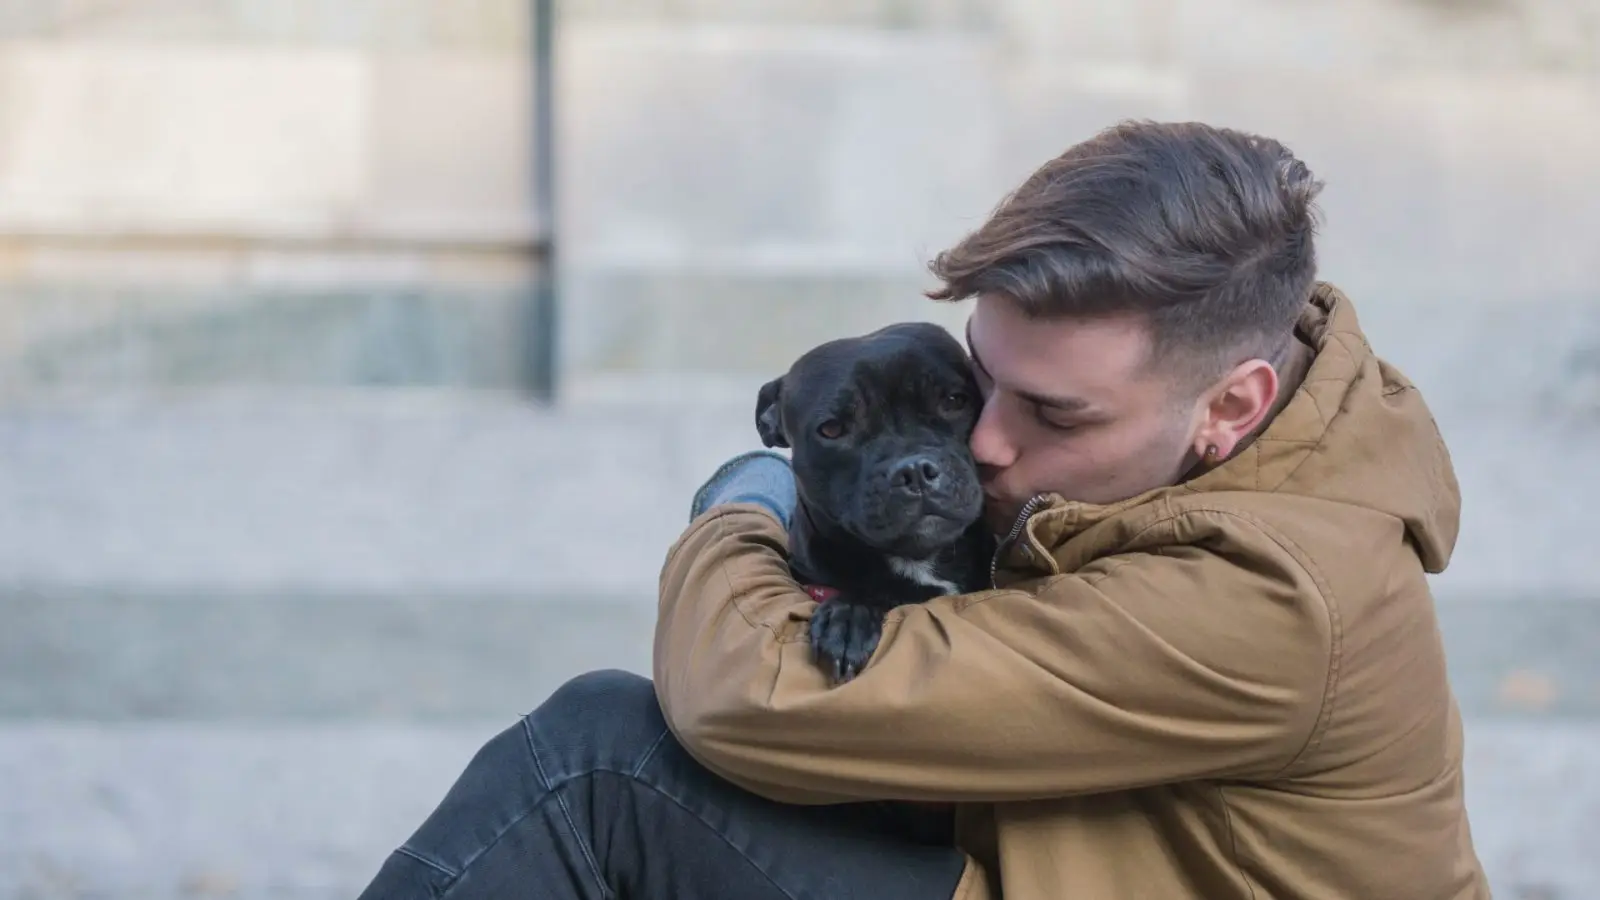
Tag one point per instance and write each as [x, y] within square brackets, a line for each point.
[769, 424]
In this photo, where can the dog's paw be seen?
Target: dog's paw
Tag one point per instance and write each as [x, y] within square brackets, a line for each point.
[843, 637]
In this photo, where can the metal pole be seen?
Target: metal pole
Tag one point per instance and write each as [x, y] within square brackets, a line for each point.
[544, 321]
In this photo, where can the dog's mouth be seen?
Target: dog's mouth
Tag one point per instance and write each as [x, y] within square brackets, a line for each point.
[938, 529]
[918, 527]
[954, 511]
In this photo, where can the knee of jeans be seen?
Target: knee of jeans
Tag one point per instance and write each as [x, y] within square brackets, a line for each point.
[605, 719]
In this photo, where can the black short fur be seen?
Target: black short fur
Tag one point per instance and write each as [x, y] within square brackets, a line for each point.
[890, 505]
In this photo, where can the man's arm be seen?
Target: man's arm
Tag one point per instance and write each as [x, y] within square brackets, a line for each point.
[1144, 668]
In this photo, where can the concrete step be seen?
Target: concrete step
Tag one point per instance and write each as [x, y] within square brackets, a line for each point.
[165, 559]
[387, 493]
[160, 811]
[419, 658]
[448, 494]
[423, 658]
[1474, 357]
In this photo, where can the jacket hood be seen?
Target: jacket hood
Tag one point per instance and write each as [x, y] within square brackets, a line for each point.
[1355, 431]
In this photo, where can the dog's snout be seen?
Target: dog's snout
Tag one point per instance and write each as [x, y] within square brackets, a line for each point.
[914, 474]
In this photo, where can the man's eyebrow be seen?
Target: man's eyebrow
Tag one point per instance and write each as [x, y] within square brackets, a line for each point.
[1062, 404]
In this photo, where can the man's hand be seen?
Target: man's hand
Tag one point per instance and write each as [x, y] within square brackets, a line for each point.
[759, 476]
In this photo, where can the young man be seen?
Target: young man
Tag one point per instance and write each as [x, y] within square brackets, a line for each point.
[1209, 667]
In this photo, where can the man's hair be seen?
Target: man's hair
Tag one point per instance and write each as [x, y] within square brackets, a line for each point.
[1206, 232]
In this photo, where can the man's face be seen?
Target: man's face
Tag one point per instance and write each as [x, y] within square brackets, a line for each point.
[1071, 406]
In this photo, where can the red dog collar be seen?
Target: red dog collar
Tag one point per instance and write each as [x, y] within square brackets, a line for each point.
[819, 593]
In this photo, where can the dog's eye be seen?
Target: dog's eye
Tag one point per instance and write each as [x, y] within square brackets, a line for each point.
[833, 429]
[955, 401]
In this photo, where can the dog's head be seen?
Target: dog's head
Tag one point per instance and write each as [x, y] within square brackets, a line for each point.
[878, 426]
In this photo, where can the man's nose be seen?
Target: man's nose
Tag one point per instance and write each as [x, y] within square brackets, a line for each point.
[989, 444]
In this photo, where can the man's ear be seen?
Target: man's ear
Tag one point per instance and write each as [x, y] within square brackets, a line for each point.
[769, 424]
[1240, 403]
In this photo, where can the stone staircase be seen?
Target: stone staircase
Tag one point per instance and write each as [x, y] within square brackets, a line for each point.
[250, 639]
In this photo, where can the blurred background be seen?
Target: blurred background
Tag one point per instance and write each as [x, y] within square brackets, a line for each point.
[358, 359]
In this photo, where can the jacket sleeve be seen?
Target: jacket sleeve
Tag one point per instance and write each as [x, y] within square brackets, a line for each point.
[1173, 663]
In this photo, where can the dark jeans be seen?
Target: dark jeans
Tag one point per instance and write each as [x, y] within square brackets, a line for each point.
[590, 797]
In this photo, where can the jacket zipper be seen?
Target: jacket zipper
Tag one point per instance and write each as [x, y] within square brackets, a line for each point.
[1022, 519]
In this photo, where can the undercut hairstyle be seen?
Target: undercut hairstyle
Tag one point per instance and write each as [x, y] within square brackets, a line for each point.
[1206, 232]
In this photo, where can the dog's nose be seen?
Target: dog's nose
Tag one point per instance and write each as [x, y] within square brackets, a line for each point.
[914, 474]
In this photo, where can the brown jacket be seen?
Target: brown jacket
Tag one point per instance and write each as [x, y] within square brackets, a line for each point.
[1229, 688]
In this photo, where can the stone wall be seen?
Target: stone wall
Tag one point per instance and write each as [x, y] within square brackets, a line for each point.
[282, 192]
[266, 191]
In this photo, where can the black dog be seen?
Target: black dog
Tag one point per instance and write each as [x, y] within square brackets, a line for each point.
[890, 506]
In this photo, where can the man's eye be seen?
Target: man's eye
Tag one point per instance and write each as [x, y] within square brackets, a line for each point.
[1058, 427]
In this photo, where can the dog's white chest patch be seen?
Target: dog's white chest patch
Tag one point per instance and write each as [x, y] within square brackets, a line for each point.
[921, 571]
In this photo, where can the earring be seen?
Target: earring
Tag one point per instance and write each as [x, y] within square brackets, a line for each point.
[1211, 454]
